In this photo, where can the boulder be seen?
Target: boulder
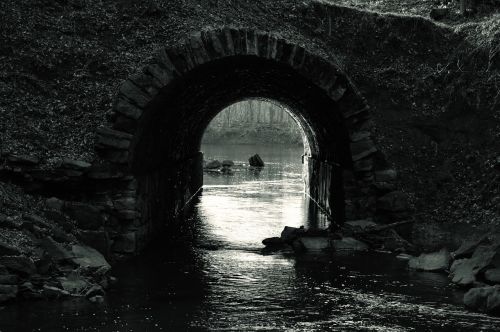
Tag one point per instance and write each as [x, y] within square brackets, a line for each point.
[349, 243]
[19, 264]
[36, 220]
[61, 236]
[273, 242]
[227, 163]
[54, 249]
[54, 203]
[213, 164]
[316, 243]
[256, 161]
[463, 271]
[8, 292]
[8, 279]
[289, 234]
[87, 216]
[467, 248]
[493, 275]
[436, 261]
[88, 257]
[74, 284]
[485, 299]
[7, 249]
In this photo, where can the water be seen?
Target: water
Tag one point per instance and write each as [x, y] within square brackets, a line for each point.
[221, 281]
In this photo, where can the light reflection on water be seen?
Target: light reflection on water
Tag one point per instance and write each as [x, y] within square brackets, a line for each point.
[222, 282]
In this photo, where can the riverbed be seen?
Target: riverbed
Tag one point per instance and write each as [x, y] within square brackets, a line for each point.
[220, 280]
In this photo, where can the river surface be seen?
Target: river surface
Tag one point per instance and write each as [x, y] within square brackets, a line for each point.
[221, 280]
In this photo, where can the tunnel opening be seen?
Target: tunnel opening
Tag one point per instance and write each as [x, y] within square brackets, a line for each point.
[162, 112]
[171, 130]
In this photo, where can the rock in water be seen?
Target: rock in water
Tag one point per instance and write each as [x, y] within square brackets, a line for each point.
[273, 242]
[256, 161]
[227, 163]
[436, 261]
[88, 257]
[288, 234]
[486, 299]
[316, 243]
[349, 243]
[213, 164]
[463, 271]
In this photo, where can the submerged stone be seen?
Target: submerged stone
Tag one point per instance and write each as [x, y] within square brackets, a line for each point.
[349, 243]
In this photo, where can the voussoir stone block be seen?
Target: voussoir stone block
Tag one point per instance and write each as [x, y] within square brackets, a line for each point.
[227, 41]
[272, 48]
[162, 75]
[337, 93]
[297, 57]
[113, 139]
[127, 109]
[166, 62]
[147, 83]
[198, 52]
[262, 44]
[251, 43]
[133, 93]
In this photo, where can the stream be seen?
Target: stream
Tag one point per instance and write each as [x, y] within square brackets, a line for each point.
[221, 280]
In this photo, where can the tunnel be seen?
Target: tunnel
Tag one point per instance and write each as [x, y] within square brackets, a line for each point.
[162, 111]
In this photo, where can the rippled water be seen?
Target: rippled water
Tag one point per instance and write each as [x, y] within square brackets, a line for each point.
[221, 281]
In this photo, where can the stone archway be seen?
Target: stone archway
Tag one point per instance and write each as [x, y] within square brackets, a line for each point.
[162, 111]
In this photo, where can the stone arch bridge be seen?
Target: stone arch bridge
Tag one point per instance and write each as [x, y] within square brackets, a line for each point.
[161, 112]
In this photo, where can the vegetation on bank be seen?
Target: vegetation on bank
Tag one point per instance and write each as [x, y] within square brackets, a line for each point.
[253, 122]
